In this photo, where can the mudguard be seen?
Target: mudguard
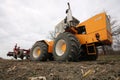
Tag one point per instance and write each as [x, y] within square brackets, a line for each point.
[50, 45]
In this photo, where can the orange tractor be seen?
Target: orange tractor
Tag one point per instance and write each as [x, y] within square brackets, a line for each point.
[74, 41]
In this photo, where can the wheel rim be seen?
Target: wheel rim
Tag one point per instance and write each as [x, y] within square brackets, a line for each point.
[36, 52]
[60, 47]
[63, 47]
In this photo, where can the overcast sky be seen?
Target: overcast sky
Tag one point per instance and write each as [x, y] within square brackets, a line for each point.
[26, 21]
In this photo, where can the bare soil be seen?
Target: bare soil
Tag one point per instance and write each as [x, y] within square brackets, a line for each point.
[105, 68]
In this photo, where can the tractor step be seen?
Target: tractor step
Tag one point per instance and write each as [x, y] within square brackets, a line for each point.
[91, 49]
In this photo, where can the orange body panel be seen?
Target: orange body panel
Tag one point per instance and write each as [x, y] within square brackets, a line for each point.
[50, 46]
[96, 24]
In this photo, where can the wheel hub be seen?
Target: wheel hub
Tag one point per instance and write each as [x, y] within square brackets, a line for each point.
[60, 47]
[36, 52]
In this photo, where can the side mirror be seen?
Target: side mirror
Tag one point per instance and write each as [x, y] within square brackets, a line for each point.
[66, 11]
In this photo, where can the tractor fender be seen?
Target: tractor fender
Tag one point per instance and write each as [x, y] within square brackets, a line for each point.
[49, 44]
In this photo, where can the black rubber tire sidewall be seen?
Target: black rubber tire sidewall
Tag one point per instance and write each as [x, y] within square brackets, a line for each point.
[15, 56]
[20, 53]
[44, 51]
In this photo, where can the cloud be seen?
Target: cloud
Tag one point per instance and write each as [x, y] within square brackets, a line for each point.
[26, 21]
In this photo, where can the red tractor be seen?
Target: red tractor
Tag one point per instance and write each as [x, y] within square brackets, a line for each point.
[19, 53]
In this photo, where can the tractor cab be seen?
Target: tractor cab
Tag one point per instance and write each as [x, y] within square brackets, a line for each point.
[68, 22]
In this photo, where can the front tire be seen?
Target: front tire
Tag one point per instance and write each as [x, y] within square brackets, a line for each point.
[66, 47]
[39, 51]
[15, 56]
[21, 54]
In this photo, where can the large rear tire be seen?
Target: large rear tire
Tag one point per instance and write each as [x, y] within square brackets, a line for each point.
[66, 47]
[39, 52]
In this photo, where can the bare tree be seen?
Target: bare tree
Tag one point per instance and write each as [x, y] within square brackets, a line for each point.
[52, 35]
[115, 26]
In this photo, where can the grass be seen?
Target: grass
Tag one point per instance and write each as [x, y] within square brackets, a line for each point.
[109, 57]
